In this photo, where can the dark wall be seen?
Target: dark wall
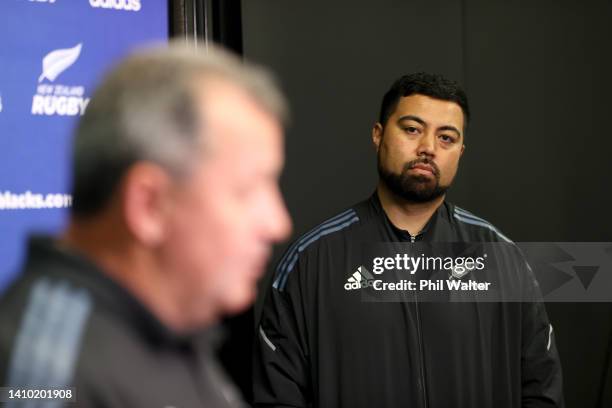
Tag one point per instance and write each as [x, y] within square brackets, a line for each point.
[537, 159]
[538, 79]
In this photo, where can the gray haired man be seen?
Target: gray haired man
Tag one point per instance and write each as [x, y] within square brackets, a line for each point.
[176, 206]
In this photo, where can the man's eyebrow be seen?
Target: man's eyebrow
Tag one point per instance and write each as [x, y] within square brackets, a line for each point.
[451, 128]
[412, 117]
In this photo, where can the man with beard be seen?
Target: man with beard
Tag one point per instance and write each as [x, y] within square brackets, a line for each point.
[320, 344]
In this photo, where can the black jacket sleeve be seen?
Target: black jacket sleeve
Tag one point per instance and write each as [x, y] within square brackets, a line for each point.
[281, 363]
[542, 383]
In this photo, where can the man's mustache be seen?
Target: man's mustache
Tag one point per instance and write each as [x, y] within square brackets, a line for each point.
[423, 160]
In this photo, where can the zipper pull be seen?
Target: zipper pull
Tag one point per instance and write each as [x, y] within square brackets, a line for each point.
[412, 237]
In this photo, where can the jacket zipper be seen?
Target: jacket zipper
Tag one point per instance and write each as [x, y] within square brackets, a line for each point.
[423, 387]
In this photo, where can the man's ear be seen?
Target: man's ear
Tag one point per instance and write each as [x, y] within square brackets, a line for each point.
[377, 135]
[145, 194]
[462, 150]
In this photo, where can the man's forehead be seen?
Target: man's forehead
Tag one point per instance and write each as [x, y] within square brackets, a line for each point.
[231, 116]
[222, 105]
[218, 95]
[433, 111]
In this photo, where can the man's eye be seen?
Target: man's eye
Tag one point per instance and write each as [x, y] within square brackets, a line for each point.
[447, 138]
[411, 129]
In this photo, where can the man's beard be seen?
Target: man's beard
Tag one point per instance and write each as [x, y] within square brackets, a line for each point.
[413, 187]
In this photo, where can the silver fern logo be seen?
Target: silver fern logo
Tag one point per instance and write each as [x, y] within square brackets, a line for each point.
[58, 61]
[53, 99]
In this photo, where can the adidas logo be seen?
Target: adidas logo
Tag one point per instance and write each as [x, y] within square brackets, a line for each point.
[361, 278]
[128, 5]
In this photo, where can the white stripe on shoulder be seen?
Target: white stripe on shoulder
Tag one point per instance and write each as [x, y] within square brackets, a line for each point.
[468, 214]
[471, 219]
[48, 342]
[330, 222]
[290, 258]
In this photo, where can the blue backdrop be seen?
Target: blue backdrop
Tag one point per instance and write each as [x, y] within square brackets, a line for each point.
[52, 53]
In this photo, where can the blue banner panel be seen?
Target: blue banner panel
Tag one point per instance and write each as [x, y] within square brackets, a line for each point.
[52, 54]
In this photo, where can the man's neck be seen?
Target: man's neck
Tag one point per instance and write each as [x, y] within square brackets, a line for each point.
[405, 215]
[134, 268]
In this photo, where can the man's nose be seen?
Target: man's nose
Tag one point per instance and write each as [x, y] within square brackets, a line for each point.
[427, 145]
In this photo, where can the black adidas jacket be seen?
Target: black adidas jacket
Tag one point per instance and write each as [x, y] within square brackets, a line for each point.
[320, 345]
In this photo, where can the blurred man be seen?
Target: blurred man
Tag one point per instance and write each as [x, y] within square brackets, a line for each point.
[320, 344]
[176, 206]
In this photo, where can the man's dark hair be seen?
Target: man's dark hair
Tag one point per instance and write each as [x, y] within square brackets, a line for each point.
[423, 83]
